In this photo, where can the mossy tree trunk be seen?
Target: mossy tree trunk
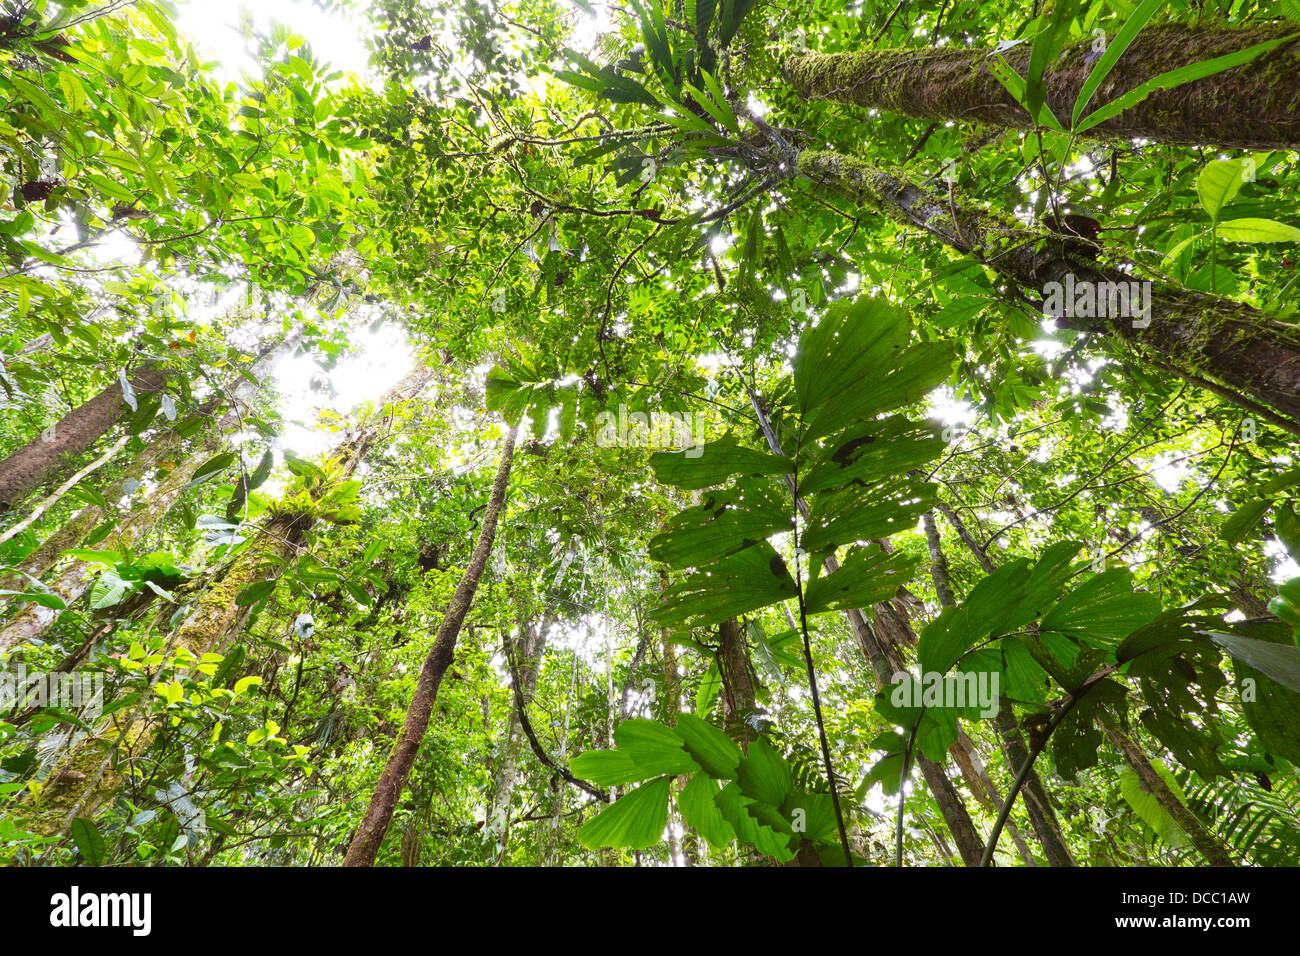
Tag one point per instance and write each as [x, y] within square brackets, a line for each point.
[1252, 106]
[525, 652]
[97, 765]
[1195, 332]
[74, 579]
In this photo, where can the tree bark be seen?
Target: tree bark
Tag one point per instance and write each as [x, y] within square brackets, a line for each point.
[94, 767]
[1195, 332]
[1205, 841]
[526, 654]
[1039, 806]
[739, 691]
[46, 455]
[365, 843]
[1252, 106]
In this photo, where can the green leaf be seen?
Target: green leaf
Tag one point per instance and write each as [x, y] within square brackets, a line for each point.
[764, 775]
[1257, 230]
[1278, 661]
[867, 576]
[1173, 78]
[43, 598]
[1243, 520]
[1105, 608]
[712, 749]
[90, 842]
[1147, 806]
[211, 468]
[636, 820]
[607, 768]
[743, 582]
[1114, 50]
[1217, 184]
[697, 803]
[654, 748]
[1047, 44]
[718, 461]
[254, 593]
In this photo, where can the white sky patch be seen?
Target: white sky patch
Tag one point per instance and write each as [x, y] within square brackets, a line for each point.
[381, 359]
[1167, 474]
[214, 28]
[1286, 567]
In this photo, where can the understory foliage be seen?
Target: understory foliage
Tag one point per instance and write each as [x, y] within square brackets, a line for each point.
[827, 540]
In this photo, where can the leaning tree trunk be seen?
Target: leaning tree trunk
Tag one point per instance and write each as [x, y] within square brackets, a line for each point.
[90, 772]
[365, 844]
[48, 453]
[1195, 332]
[74, 579]
[1205, 841]
[73, 531]
[525, 662]
[1252, 106]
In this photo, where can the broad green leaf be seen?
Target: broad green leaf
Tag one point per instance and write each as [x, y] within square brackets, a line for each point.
[653, 748]
[635, 821]
[867, 576]
[764, 775]
[1147, 806]
[254, 593]
[718, 461]
[90, 842]
[1257, 230]
[712, 749]
[1218, 183]
[740, 583]
[606, 768]
[1104, 608]
[697, 803]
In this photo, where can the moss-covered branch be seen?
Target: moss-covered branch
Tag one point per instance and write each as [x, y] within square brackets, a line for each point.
[1195, 332]
[1253, 106]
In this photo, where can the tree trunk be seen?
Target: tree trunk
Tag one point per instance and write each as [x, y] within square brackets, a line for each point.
[46, 455]
[739, 684]
[73, 531]
[1205, 841]
[526, 654]
[1195, 332]
[87, 776]
[1252, 106]
[1039, 807]
[74, 580]
[365, 844]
